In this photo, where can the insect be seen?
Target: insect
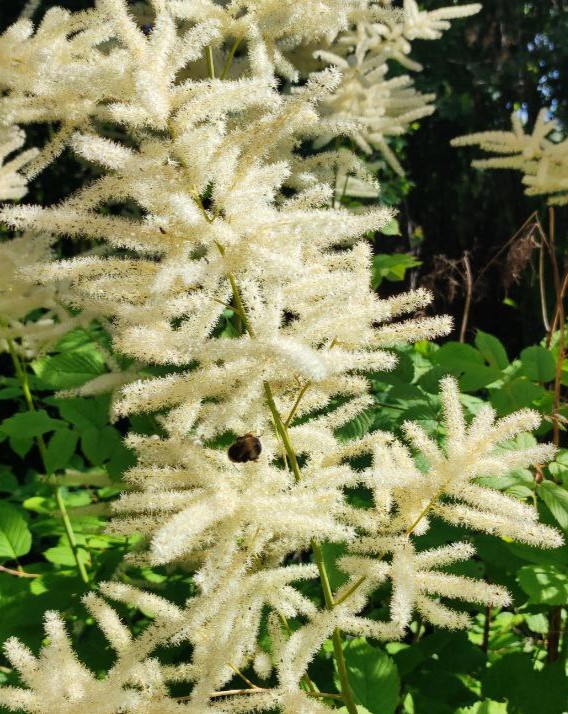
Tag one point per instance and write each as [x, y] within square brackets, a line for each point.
[246, 448]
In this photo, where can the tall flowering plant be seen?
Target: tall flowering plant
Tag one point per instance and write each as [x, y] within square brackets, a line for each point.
[236, 214]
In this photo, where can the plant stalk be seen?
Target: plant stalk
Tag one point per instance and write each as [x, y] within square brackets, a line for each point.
[346, 693]
[23, 378]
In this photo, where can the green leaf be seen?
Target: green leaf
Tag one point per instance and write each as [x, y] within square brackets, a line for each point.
[492, 350]
[357, 427]
[85, 413]
[15, 536]
[466, 363]
[21, 446]
[527, 690]
[99, 445]
[516, 394]
[70, 369]
[8, 482]
[27, 425]
[556, 498]
[373, 677]
[392, 266]
[486, 707]
[392, 228]
[538, 364]
[60, 449]
[10, 392]
[63, 555]
[559, 467]
[537, 623]
[544, 584]
[360, 710]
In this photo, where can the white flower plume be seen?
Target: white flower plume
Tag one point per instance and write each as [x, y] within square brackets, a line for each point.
[542, 156]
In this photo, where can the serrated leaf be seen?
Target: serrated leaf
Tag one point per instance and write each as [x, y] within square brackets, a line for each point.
[466, 363]
[99, 445]
[15, 536]
[60, 449]
[516, 394]
[544, 584]
[85, 413]
[538, 364]
[491, 349]
[559, 467]
[70, 369]
[27, 425]
[357, 427]
[63, 555]
[556, 498]
[373, 677]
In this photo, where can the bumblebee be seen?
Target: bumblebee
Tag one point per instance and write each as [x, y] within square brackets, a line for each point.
[246, 448]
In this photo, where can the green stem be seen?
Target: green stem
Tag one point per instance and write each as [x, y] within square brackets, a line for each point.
[283, 432]
[305, 678]
[230, 56]
[297, 403]
[351, 590]
[23, 378]
[210, 62]
[346, 693]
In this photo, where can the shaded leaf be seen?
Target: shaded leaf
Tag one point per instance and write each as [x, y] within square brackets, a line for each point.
[538, 364]
[60, 449]
[26, 425]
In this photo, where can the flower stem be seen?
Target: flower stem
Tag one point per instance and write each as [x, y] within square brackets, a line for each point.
[210, 61]
[230, 56]
[346, 693]
[23, 379]
[281, 427]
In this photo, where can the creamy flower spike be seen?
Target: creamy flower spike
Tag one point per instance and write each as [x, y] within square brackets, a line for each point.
[541, 155]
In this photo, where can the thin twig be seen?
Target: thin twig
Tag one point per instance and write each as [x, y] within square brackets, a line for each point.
[542, 289]
[19, 573]
[533, 218]
[468, 295]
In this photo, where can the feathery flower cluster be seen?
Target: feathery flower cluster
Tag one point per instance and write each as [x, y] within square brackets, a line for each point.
[231, 217]
[13, 184]
[32, 317]
[368, 105]
[541, 156]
